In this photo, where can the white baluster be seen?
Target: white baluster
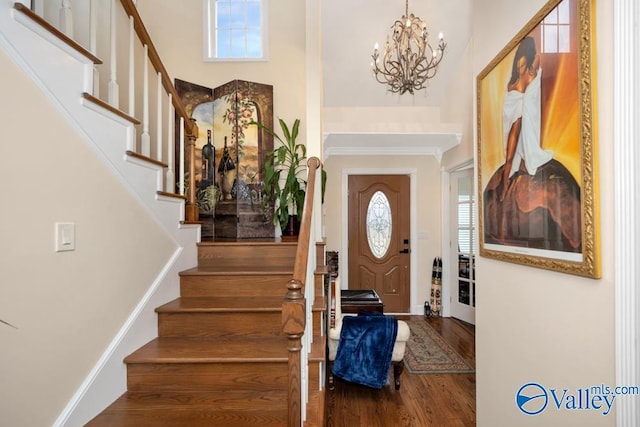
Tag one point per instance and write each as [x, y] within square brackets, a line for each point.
[132, 75]
[93, 40]
[66, 18]
[159, 120]
[181, 160]
[171, 176]
[145, 138]
[36, 5]
[114, 98]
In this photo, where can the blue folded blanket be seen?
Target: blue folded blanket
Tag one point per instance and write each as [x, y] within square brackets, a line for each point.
[365, 349]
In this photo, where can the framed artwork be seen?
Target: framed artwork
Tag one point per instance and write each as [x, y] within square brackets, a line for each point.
[230, 156]
[537, 157]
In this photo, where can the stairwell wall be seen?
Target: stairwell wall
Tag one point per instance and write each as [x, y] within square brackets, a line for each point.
[536, 325]
[176, 31]
[67, 306]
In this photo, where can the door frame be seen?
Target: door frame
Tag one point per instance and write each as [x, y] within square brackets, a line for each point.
[413, 224]
[447, 271]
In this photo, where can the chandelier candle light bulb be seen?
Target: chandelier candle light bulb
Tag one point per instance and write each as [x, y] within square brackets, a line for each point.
[409, 60]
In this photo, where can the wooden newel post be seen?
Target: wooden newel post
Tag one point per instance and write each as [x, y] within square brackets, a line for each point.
[293, 324]
[191, 209]
[294, 305]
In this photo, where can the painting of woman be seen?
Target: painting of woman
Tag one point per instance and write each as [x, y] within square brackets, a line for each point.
[531, 199]
[521, 115]
[536, 154]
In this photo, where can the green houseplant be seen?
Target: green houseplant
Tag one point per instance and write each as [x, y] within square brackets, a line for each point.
[285, 177]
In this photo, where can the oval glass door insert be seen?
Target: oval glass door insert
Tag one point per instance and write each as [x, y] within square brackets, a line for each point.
[379, 224]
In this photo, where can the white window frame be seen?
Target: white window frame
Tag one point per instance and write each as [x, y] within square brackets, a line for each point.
[209, 53]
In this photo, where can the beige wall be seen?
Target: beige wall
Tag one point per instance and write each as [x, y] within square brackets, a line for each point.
[176, 30]
[428, 207]
[68, 306]
[458, 108]
[536, 325]
[532, 325]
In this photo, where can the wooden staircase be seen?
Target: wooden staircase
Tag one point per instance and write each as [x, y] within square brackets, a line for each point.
[233, 350]
[220, 358]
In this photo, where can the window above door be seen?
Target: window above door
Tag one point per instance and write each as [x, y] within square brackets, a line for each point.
[235, 30]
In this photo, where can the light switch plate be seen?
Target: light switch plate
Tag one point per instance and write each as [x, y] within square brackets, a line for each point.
[65, 236]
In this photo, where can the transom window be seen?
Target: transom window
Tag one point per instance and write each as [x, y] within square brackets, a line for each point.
[234, 30]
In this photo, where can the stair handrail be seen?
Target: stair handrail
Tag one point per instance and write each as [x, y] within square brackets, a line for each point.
[294, 304]
[131, 10]
[190, 127]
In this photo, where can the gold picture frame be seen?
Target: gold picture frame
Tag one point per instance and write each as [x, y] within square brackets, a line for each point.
[537, 157]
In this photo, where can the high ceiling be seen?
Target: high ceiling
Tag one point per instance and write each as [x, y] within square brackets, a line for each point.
[350, 28]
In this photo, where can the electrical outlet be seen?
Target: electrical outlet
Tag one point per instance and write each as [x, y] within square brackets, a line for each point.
[65, 236]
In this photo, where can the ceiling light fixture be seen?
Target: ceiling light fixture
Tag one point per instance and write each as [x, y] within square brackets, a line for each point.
[408, 61]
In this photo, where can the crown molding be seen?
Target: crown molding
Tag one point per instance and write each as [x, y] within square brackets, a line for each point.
[389, 144]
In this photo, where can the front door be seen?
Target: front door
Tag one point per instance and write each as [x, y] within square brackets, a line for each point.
[379, 243]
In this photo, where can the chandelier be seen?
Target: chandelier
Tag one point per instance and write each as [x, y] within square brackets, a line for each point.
[408, 60]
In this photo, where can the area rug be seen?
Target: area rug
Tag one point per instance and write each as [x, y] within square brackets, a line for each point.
[428, 353]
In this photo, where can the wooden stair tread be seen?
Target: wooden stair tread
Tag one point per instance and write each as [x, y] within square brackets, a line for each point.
[191, 418]
[172, 195]
[256, 242]
[113, 110]
[318, 349]
[321, 270]
[56, 32]
[245, 271]
[227, 399]
[195, 409]
[212, 350]
[222, 304]
[221, 357]
[320, 303]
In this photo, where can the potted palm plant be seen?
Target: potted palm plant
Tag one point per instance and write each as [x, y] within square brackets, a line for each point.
[285, 177]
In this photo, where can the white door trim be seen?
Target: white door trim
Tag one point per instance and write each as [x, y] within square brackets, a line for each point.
[344, 244]
[626, 99]
[446, 232]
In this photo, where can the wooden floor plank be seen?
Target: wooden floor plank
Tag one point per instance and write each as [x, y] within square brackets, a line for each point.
[442, 400]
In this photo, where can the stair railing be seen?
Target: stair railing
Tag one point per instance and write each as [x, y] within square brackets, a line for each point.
[117, 35]
[187, 148]
[294, 306]
[105, 18]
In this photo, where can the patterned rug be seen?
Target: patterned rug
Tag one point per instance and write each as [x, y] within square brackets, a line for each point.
[428, 353]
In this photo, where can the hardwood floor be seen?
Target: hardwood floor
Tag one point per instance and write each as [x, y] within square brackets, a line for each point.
[423, 400]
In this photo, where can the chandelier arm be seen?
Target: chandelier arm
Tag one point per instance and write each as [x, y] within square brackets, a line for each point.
[408, 61]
